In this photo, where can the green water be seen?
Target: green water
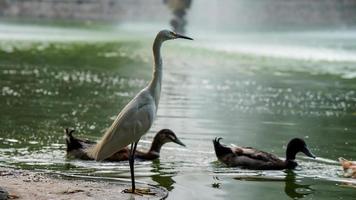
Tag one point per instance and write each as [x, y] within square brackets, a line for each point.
[53, 78]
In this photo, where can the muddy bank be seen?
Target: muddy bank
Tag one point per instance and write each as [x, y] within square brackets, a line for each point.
[21, 184]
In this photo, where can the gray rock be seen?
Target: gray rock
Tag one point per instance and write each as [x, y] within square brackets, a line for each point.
[3, 194]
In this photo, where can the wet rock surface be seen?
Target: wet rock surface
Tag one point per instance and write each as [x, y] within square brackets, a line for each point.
[21, 184]
[3, 194]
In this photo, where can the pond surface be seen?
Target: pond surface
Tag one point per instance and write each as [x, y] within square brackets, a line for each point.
[253, 89]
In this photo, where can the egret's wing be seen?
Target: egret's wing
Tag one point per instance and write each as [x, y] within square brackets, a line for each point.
[129, 126]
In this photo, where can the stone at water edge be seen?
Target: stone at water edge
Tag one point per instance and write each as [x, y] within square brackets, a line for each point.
[158, 192]
[3, 194]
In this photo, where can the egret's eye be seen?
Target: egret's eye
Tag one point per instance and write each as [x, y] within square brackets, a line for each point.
[173, 33]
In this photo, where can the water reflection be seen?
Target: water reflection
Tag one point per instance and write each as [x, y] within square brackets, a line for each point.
[295, 190]
[292, 187]
[164, 179]
[217, 183]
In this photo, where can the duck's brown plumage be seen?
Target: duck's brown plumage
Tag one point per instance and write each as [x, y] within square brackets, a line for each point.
[349, 167]
[251, 158]
[76, 148]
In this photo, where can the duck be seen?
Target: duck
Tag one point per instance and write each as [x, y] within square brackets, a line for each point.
[349, 167]
[251, 158]
[77, 148]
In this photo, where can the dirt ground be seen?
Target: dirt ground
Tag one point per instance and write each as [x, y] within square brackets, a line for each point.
[21, 184]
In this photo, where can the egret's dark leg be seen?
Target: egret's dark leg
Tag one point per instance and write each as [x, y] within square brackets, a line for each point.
[131, 162]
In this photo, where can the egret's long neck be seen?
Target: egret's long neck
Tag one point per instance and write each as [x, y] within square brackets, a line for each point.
[155, 85]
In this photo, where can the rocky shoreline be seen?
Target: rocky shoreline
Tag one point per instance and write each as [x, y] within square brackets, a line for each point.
[23, 184]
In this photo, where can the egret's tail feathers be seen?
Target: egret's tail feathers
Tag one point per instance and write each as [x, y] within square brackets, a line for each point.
[93, 151]
[113, 140]
[104, 148]
[220, 150]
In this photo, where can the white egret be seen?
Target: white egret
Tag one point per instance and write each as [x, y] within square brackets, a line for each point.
[136, 118]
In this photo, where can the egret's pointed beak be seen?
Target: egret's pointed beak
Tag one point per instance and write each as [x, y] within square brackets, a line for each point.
[177, 141]
[307, 152]
[183, 37]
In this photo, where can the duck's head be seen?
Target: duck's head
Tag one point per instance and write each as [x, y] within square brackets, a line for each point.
[167, 135]
[170, 35]
[295, 146]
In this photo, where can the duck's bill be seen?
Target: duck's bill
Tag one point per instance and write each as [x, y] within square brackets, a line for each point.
[177, 141]
[183, 37]
[307, 152]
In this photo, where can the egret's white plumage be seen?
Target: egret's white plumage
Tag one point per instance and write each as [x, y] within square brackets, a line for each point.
[132, 122]
[137, 116]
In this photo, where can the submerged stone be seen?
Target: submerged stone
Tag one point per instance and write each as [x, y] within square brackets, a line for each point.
[3, 194]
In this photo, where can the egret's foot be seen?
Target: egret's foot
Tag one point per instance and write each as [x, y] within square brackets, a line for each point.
[140, 191]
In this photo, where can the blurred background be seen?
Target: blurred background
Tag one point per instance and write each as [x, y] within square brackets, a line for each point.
[212, 14]
[257, 74]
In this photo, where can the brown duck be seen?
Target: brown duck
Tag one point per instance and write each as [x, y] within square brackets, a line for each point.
[250, 158]
[76, 148]
[349, 167]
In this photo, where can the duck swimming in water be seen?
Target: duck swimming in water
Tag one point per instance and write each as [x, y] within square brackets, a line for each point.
[349, 167]
[77, 148]
[250, 158]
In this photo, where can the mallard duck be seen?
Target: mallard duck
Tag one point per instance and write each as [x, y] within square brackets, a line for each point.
[349, 167]
[250, 158]
[76, 148]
